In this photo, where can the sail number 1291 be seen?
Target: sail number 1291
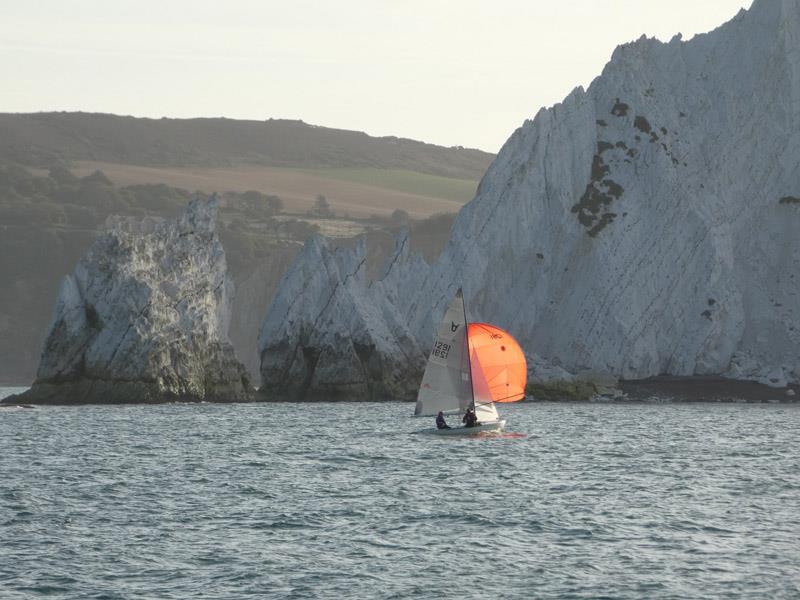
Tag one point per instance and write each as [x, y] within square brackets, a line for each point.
[441, 350]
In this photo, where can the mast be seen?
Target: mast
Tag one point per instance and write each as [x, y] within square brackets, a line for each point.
[469, 358]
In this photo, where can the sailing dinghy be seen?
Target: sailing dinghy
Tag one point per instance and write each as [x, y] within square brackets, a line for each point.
[472, 365]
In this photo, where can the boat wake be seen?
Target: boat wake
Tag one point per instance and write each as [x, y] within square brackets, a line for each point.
[498, 435]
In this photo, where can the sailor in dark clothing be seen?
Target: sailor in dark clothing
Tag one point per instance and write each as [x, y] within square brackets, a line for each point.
[470, 419]
[440, 422]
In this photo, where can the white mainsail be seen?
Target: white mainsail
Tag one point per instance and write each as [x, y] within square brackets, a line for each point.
[446, 384]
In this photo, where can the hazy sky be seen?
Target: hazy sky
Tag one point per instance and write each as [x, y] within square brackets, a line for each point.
[464, 72]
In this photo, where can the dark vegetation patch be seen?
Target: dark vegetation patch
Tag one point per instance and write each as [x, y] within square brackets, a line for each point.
[642, 124]
[620, 109]
[790, 200]
[707, 314]
[592, 204]
[605, 220]
[592, 209]
[599, 168]
[603, 146]
[614, 189]
[601, 123]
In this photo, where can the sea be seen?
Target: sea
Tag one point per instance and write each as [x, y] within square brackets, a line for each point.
[348, 500]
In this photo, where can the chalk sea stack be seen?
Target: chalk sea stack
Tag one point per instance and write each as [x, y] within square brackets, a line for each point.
[144, 318]
[644, 226]
[334, 333]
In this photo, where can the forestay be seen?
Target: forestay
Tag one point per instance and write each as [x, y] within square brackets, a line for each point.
[446, 384]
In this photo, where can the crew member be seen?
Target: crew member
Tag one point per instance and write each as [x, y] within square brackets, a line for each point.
[470, 419]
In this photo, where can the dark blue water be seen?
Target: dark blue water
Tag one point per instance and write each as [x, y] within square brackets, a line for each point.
[341, 500]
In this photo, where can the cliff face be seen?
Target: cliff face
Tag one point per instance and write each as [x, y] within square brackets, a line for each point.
[144, 318]
[647, 225]
[331, 333]
[642, 221]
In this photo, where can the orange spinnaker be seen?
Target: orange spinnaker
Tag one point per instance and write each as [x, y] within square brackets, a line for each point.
[501, 359]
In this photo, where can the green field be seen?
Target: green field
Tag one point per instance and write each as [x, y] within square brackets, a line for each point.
[400, 180]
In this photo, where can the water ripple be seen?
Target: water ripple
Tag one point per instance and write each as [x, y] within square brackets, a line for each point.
[342, 500]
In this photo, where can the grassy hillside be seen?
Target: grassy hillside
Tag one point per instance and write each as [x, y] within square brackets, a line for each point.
[62, 174]
[38, 139]
[355, 192]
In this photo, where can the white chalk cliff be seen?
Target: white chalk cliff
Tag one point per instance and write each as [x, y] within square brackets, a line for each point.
[144, 318]
[332, 333]
[647, 225]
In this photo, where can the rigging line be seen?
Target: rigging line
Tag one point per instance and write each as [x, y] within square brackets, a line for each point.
[484, 403]
[502, 372]
[520, 394]
[486, 329]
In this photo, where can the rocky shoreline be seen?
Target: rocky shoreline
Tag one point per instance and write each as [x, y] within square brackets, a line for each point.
[86, 391]
[669, 389]
[707, 389]
[662, 389]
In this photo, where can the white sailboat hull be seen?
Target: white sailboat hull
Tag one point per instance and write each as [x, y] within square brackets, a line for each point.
[483, 427]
